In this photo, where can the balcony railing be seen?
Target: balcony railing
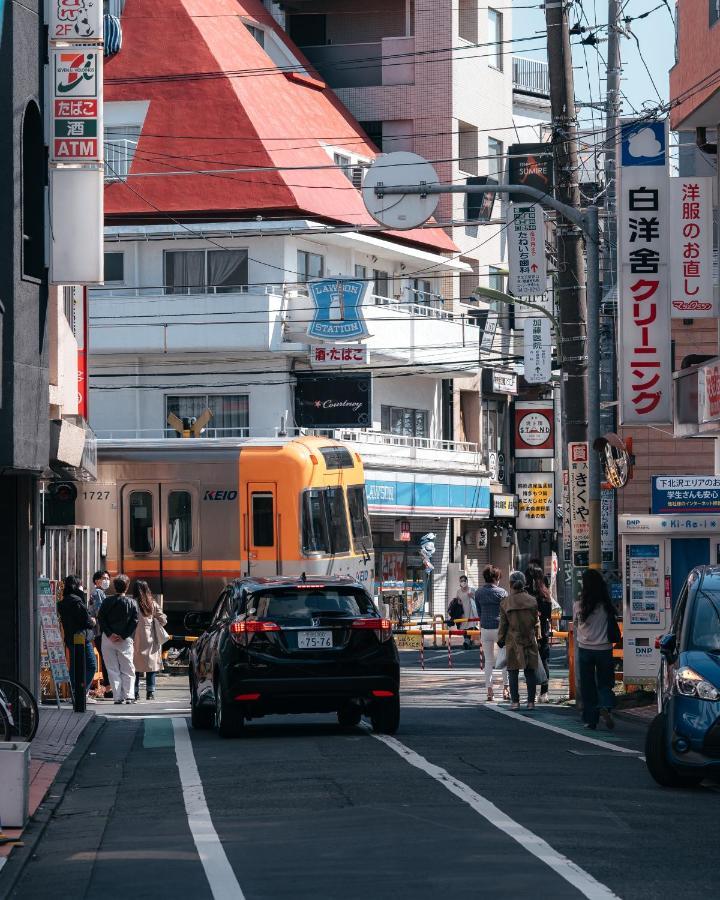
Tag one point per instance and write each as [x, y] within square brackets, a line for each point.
[531, 76]
[383, 439]
[119, 292]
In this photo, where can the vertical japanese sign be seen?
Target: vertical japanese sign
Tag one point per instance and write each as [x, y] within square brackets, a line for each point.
[578, 476]
[607, 524]
[536, 500]
[80, 329]
[643, 257]
[77, 104]
[691, 249]
[526, 250]
[566, 531]
[537, 350]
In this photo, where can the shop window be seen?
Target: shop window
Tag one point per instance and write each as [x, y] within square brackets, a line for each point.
[179, 521]
[141, 522]
[402, 421]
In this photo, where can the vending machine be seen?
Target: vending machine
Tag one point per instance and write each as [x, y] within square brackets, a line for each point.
[657, 553]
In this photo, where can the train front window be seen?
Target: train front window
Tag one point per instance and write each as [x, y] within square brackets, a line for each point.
[359, 517]
[179, 521]
[337, 520]
[141, 522]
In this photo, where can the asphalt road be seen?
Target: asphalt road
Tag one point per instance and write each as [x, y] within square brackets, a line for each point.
[469, 800]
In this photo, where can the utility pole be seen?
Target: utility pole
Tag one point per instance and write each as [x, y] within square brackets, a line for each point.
[609, 306]
[579, 326]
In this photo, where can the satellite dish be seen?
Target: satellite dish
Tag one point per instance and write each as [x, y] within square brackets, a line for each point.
[400, 211]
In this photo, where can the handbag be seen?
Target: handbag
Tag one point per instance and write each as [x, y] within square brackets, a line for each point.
[541, 675]
[613, 629]
[501, 659]
[160, 636]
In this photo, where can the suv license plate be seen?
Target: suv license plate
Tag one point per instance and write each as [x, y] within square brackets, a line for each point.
[314, 640]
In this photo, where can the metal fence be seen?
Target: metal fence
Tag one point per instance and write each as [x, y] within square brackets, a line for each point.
[531, 75]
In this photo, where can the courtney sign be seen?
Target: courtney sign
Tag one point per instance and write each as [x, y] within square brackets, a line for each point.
[526, 250]
[75, 20]
[643, 264]
[691, 249]
[338, 313]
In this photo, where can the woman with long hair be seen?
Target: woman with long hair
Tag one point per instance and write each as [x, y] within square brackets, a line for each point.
[594, 618]
[147, 652]
[535, 579]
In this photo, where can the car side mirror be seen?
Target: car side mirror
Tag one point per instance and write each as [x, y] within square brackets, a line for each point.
[197, 621]
[667, 645]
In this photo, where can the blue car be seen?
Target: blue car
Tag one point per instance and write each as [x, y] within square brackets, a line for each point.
[683, 742]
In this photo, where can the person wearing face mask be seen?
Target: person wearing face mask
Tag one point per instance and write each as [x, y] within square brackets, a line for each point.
[101, 582]
[75, 619]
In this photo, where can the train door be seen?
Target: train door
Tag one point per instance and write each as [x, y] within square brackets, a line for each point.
[141, 540]
[262, 531]
[181, 559]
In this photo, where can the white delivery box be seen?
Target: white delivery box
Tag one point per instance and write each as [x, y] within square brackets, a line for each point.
[14, 783]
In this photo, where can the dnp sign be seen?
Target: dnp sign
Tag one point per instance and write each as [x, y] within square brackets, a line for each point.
[338, 314]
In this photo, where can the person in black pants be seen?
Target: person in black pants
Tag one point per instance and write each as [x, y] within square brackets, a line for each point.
[537, 586]
[76, 619]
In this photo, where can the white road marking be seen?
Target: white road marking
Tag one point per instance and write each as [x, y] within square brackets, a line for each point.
[564, 867]
[531, 720]
[218, 871]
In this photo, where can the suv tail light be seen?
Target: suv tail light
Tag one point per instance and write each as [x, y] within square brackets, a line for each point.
[239, 628]
[381, 627]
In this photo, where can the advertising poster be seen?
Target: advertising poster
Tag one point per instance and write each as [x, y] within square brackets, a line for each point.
[692, 294]
[52, 636]
[679, 494]
[333, 401]
[392, 569]
[534, 429]
[646, 583]
[536, 500]
[526, 250]
[607, 524]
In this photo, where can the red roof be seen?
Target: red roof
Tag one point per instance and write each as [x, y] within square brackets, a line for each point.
[190, 59]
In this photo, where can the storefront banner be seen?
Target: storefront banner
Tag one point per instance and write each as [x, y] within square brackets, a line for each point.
[421, 494]
[333, 401]
[537, 350]
[505, 506]
[645, 582]
[534, 429]
[75, 20]
[578, 478]
[526, 250]
[607, 524]
[330, 356]
[678, 494]
[644, 280]
[536, 500]
[692, 295]
[687, 524]
[532, 166]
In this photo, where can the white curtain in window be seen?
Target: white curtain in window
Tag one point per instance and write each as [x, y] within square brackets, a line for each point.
[184, 271]
[227, 269]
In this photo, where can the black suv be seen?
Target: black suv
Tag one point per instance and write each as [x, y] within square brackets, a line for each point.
[293, 645]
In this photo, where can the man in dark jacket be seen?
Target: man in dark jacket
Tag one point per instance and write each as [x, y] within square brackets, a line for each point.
[118, 619]
[76, 619]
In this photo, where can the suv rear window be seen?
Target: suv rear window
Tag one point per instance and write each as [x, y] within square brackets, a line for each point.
[305, 603]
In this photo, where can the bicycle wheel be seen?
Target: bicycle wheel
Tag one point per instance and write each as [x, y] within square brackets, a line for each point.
[22, 709]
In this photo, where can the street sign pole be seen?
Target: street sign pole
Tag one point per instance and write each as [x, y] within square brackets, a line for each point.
[589, 360]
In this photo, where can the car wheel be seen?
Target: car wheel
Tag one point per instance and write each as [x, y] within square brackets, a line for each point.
[349, 716]
[385, 715]
[657, 761]
[229, 719]
[201, 717]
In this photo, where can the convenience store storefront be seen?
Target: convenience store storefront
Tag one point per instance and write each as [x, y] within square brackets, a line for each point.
[403, 507]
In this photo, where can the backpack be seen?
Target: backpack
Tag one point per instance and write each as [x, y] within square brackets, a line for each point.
[455, 610]
[613, 629]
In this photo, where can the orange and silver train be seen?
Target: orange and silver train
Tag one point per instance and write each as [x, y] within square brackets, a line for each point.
[190, 515]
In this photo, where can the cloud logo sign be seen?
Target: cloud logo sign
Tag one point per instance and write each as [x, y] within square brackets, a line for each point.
[643, 144]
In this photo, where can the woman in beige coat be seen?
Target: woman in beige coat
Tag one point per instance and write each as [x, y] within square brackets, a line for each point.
[518, 633]
[147, 652]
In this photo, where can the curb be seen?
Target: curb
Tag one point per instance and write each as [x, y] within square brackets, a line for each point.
[21, 856]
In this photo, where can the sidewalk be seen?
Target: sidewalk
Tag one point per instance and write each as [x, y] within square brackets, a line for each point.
[57, 735]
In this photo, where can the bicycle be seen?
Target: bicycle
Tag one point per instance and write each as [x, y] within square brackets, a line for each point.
[19, 716]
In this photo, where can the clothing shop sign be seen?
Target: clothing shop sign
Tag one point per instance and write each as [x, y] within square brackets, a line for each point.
[692, 295]
[333, 401]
